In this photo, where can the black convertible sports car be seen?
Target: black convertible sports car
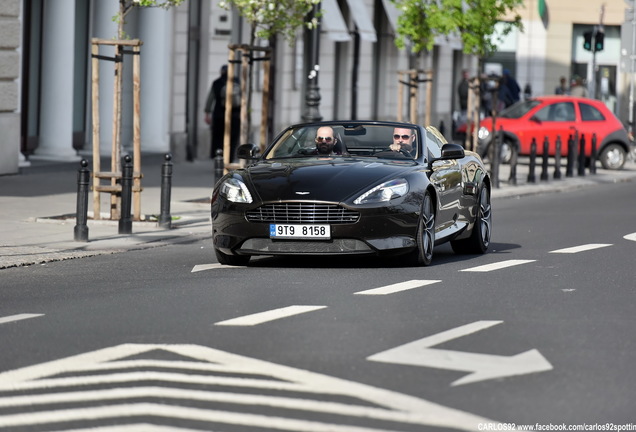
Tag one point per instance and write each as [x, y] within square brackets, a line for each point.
[352, 187]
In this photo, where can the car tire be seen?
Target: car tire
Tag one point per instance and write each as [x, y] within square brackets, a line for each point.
[479, 239]
[423, 254]
[233, 260]
[505, 152]
[613, 157]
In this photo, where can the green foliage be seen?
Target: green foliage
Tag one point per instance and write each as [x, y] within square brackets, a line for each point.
[126, 6]
[154, 3]
[272, 17]
[474, 20]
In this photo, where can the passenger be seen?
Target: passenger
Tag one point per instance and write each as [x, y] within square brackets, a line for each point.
[403, 140]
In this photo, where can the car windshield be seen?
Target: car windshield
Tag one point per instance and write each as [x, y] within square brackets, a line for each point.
[519, 109]
[347, 140]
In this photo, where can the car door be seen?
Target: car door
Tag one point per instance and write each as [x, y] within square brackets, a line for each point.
[447, 179]
[556, 119]
[592, 123]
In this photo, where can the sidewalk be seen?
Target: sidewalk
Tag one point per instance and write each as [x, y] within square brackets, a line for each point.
[32, 202]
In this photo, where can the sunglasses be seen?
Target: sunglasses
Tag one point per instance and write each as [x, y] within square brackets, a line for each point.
[325, 139]
[404, 137]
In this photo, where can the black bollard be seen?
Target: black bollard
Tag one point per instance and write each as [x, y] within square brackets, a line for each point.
[569, 170]
[582, 156]
[557, 158]
[125, 221]
[165, 220]
[81, 216]
[496, 156]
[533, 161]
[544, 159]
[218, 165]
[594, 156]
[513, 164]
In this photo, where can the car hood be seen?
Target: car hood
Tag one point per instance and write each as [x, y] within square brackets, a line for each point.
[329, 179]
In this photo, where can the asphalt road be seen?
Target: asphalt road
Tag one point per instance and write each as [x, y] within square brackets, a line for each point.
[539, 331]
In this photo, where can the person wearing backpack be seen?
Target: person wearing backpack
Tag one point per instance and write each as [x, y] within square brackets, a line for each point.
[215, 113]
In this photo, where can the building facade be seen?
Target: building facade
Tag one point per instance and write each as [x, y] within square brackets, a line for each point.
[46, 73]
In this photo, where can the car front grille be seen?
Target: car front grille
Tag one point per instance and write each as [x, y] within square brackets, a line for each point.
[303, 212]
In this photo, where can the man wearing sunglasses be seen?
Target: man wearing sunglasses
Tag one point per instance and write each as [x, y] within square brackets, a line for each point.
[325, 141]
[403, 139]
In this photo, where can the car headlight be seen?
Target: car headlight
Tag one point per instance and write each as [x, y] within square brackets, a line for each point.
[483, 133]
[235, 190]
[384, 192]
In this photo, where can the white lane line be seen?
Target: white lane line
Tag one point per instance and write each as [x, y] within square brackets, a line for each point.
[203, 267]
[271, 315]
[631, 237]
[402, 286]
[18, 317]
[581, 248]
[497, 266]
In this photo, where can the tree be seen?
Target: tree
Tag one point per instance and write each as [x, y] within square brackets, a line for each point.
[270, 18]
[421, 21]
[125, 6]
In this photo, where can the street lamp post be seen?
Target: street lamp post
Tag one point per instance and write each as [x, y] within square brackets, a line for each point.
[312, 92]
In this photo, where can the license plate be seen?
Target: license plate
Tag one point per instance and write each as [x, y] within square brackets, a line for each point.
[286, 231]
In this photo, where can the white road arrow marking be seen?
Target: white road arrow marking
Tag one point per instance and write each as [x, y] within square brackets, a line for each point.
[18, 317]
[631, 237]
[481, 366]
[402, 286]
[581, 248]
[497, 266]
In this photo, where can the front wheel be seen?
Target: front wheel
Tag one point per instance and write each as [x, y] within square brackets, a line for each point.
[233, 260]
[479, 239]
[505, 151]
[613, 157]
[423, 255]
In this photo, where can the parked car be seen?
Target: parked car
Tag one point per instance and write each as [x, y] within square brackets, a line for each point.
[362, 198]
[559, 116]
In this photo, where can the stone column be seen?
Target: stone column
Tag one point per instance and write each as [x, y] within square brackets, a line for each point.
[155, 31]
[56, 116]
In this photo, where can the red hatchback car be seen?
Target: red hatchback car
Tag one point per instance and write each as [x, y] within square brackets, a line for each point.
[559, 116]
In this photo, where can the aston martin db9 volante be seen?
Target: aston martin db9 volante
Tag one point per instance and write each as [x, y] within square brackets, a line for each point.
[351, 188]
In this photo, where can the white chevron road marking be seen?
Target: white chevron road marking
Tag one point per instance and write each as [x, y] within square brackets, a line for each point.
[68, 380]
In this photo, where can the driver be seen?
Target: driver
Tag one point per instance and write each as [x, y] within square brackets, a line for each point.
[325, 141]
[403, 139]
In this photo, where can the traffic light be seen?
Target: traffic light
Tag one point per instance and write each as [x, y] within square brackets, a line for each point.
[587, 40]
[598, 41]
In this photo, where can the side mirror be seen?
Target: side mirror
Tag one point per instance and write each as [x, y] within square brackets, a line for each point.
[535, 120]
[248, 151]
[452, 151]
